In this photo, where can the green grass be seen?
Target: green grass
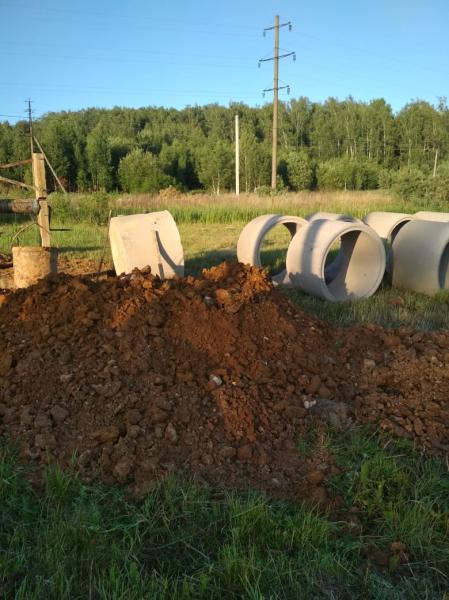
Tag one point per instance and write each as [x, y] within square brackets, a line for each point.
[72, 540]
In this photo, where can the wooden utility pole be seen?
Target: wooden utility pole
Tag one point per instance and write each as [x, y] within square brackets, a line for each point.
[435, 162]
[275, 89]
[237, 156]
[40, 184]
[30, 121]
[274, 154]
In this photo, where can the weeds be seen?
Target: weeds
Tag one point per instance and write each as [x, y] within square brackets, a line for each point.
[76, 540]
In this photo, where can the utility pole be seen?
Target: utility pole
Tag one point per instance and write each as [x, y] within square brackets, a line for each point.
[275, 89]
[274, 148]
[237, 156]
[30, 121]
[435, 162]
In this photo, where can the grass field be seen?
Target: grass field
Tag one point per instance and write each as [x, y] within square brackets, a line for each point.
[73, 540]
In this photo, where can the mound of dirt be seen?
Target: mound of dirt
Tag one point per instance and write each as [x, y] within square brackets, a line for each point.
[216, 377]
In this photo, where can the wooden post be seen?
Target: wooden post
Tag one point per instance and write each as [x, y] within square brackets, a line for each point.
[237, 157]
[40, 183]
[39, 180]
[43, 220]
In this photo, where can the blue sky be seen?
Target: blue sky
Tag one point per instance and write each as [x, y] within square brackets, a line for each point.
[71, 55]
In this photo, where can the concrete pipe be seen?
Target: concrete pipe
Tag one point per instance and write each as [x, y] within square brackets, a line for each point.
[387, 225]
[333, 265]
[147, 240]
[424, 215]
[361, 263]
[420, 257]
[252, 235]
[328, 216]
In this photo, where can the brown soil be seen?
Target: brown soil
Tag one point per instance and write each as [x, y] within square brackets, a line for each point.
[213, 377]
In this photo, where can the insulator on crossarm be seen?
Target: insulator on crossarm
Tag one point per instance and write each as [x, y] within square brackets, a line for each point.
[288, 90]
[294, 57]
[289, 26]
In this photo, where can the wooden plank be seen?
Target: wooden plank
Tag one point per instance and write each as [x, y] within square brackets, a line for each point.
[39, 179]
[18, 163]
[19, 183]
[19, 207]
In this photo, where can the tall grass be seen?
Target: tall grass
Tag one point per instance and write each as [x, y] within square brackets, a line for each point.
[228, 208]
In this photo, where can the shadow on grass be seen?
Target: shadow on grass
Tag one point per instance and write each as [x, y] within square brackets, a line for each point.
[273, 260]
[78, 249]
[195, 264]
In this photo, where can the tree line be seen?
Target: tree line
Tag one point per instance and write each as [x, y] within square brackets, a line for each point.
[331, 145]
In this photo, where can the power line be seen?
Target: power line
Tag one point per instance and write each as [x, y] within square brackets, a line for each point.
[125, 60]
[363, 51]
[156, 23]
[12, 116]
[112, 89]
[131, 51]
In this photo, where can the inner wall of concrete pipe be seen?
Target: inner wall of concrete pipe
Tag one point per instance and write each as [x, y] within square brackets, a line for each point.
[361, 262]
[333, 259]
[357, 276]
[443, 269]
[251, 238]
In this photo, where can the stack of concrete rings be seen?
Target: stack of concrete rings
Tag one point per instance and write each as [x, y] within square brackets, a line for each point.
[358, 268]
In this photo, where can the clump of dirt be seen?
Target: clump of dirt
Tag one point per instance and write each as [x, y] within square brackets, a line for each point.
[216, 377]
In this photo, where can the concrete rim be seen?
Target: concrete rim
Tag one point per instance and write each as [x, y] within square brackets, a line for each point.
[252, 235]
[387, 224]
[329, 216]
[428, 215]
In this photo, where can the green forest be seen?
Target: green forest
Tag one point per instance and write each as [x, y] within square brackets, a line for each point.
[327, 146]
